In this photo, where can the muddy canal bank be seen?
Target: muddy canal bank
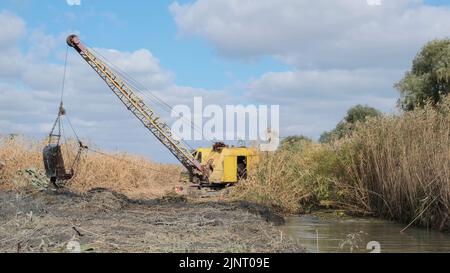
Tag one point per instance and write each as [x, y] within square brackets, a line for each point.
[104, 221]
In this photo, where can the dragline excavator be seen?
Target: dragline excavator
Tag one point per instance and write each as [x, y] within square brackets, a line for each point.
[218, 165]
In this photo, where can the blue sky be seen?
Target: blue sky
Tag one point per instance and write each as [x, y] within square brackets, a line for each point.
[147, 24]
[313, 58]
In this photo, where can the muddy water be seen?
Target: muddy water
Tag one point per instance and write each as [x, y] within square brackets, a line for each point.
[327, 232]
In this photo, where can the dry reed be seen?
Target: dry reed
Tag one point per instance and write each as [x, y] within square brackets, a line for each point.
[131, 175]
[400, 166]
[397, 167]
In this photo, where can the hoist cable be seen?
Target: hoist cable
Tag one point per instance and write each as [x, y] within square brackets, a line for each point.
[133, 83]
[59, 125]
[73, 130]
[64, 75]
[60, 110]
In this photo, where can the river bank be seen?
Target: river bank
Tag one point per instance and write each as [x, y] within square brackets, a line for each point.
[104, 221]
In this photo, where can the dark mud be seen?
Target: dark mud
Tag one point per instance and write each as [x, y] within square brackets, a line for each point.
[105, 221]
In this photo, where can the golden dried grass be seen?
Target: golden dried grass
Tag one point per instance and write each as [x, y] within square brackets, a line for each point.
[397, 167]
[134, 176]
[292, 180]
[400, 166]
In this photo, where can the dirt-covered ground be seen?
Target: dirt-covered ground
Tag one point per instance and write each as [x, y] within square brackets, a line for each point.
[105, 221]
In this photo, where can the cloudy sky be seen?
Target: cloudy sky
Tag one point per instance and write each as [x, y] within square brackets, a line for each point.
[313, 58]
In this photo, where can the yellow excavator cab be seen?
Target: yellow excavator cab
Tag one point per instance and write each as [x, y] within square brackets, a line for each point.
[227, 164]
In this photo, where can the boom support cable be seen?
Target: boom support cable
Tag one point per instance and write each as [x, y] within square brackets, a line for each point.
[145, 92]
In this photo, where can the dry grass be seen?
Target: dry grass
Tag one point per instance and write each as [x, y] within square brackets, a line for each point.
[16, 154]
[292, 180]
[131, 175]
[397, 167]
[400, 166]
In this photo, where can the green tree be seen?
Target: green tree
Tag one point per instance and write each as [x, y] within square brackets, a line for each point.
[358, 113]
[429, 78]
[294, 142]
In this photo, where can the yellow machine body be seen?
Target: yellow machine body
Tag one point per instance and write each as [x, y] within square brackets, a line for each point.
[228, 164]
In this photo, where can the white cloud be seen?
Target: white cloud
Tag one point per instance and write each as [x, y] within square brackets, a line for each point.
[73, 2]
[341, 53]
[315, 101]
[315, 34]
[284, 87]
[374, 2]
[13, 28]
[31, 79]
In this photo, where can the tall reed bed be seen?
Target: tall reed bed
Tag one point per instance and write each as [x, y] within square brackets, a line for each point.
[293, 180]
[397, 167]
[135, 176]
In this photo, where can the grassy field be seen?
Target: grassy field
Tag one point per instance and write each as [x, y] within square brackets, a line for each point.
[396, 167]
[134, 176]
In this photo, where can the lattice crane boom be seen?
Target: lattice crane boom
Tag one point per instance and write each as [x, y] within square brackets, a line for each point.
[136, 105]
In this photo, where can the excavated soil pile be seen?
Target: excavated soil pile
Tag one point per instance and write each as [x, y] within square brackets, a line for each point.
[105, 221]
